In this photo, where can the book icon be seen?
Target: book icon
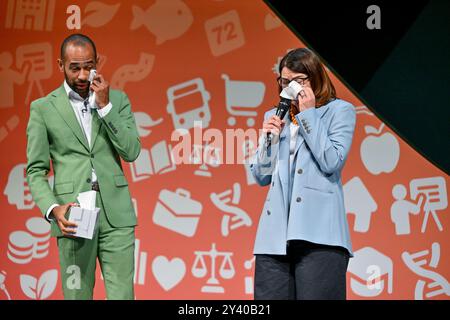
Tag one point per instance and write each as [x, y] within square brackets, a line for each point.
[157, 160]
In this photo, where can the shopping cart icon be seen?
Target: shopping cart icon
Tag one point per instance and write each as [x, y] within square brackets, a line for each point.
[417, 262]
[241, 97]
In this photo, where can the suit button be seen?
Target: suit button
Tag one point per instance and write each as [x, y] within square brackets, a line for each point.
[299, 171]
[88, 180]
[299, 199]
[273, 182]
[268, 212]
[92, 156]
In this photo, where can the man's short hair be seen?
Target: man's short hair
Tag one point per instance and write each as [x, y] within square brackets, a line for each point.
[77, 39]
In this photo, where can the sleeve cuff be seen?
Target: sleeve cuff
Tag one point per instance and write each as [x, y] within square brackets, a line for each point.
[47, 215]
[105, 110]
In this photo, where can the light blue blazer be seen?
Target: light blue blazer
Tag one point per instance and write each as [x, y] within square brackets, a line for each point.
[305, 202]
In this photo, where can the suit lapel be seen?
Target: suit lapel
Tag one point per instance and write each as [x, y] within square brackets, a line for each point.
[96, 125]
[62, 105]
[283, 158]
[321, 111]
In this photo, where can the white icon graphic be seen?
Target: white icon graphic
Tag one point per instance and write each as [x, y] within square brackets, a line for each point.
[248, 280]
[17, 189]
[24, 246]
[10, 125]
[144, 122]
[165, 19]
[435, 191]
[133, 72]
[188, 104]
[248, 150]
[359, 202]
[3, 286]
[157, 160]
[271, 22]
[402, 208]
[9, 77]
[363, 110]
[39, 289]
[206, 155]
[30, 14]
[168, 273]
[200, 270]
[241, 97]
[224, 33]
[233, 217]
[177, 212]
[98, 14]
[379, 152]
[140, 263]
[39, 56]
[421, 263]
[276, 67]
[368, 268]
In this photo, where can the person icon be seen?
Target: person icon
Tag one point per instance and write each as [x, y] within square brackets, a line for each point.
[2, 285]
[401, 209]
[9, 77]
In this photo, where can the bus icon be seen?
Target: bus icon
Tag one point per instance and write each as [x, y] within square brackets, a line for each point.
[188, 103]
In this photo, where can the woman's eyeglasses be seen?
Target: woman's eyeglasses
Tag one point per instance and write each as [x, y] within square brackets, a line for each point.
[283, 82]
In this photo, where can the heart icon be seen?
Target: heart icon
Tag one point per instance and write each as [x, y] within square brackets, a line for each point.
[167, 272]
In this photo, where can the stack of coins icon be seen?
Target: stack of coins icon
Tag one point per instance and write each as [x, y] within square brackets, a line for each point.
[20, 247]
[40, 231]
[23, 246]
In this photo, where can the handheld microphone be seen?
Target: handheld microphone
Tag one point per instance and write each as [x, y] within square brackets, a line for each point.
[283, 108]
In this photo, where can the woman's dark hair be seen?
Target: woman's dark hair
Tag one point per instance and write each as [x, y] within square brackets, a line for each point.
[303, 60]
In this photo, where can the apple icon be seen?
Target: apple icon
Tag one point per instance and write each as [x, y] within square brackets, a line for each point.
[379, 152]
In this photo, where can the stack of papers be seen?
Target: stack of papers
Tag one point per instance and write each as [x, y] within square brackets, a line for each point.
[86, 215]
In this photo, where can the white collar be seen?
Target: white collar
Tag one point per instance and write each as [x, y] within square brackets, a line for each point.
[75, 96]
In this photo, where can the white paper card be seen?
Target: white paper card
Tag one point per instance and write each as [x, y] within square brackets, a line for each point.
[87, 199]
[86, 215]
[85, 219]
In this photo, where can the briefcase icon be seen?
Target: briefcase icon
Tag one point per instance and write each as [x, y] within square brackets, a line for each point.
[177, 212]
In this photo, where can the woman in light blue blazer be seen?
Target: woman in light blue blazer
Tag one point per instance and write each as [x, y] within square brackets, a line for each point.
[303, 245]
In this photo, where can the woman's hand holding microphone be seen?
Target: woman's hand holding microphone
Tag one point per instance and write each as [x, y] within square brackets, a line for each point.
[273, 125]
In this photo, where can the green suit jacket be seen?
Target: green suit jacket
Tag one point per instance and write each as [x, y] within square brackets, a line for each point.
[55, 137]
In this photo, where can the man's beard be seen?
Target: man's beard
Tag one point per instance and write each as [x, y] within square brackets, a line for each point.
[73, 85]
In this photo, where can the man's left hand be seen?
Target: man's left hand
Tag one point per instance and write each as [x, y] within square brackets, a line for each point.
[101, 88]
[306, 99]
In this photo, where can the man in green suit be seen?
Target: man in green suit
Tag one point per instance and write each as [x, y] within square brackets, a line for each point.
[83, 129]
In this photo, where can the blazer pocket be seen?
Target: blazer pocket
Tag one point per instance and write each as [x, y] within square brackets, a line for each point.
[63, 188]
[120, 180]
[320, 189]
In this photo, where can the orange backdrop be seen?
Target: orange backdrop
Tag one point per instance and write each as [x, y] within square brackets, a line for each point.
[213, 61]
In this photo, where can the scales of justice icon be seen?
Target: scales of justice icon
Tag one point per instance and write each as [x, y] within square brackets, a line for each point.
[200, 270]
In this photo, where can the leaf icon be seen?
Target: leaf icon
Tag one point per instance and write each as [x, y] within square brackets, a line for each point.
[99, 14]
[47, 284]
[28, 284]
[372, 130]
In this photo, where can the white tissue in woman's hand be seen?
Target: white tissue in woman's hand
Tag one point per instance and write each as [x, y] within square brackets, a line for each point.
[291, 91]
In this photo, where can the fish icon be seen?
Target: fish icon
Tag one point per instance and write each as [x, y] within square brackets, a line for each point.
[166, 19]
